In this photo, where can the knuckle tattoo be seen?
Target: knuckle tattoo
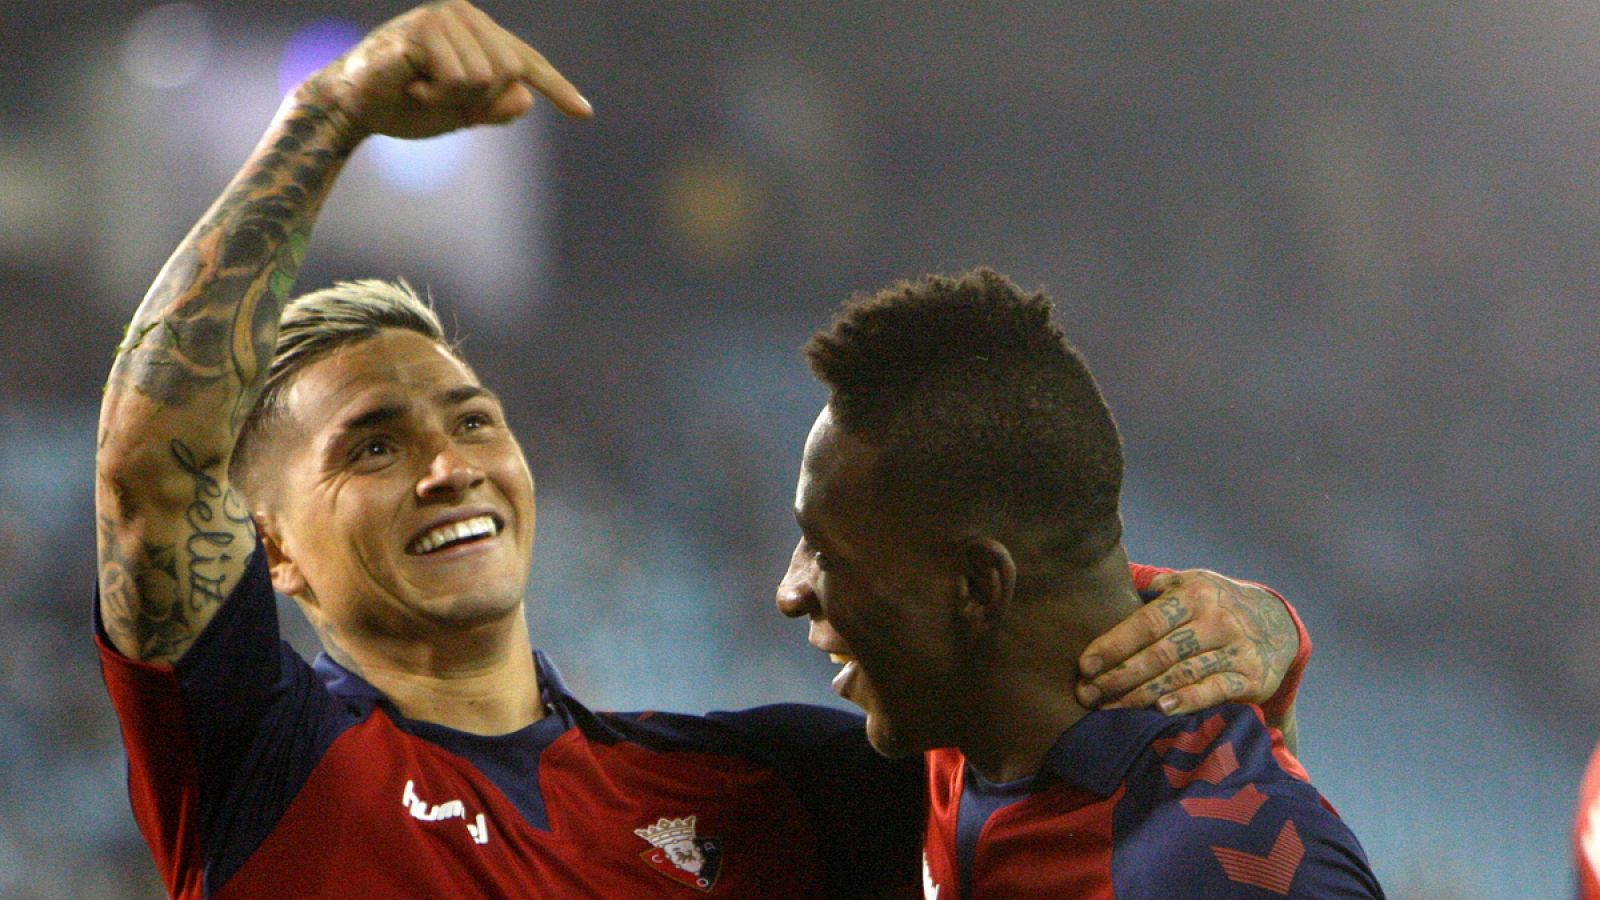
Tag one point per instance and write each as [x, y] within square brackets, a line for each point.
[1172, 608]
[1186, 643]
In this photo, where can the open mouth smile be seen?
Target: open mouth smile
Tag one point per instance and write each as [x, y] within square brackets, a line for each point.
[453, 534]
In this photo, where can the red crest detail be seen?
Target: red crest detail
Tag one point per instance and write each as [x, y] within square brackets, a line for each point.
[710, 864]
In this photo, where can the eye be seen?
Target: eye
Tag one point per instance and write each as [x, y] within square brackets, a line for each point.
[476, 421]
[375, 448]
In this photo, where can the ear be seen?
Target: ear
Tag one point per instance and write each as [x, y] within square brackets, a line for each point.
[988, 581]
[286, 575]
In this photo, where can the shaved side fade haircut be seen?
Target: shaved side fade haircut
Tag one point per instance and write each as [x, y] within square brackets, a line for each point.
[983, 415]
[313, 326]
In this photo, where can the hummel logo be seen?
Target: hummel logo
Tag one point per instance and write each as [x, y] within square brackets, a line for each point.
[930, 888]
[450, 809]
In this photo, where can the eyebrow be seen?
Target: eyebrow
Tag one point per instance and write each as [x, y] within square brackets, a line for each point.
[389, 412]
[372, 418]
[459, 395]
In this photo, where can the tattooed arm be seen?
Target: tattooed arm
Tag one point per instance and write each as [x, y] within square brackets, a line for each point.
[1206, 639]
[173, 535]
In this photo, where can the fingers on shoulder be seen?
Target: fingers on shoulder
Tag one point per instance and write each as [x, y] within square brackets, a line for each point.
[1146, 626]
[1213, 690]
[1181, 676]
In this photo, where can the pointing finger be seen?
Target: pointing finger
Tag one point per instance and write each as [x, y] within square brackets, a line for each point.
[543, 77]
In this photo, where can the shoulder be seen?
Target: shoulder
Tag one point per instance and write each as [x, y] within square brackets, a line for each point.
[1215, 804]
[780, 734]
[796, 725]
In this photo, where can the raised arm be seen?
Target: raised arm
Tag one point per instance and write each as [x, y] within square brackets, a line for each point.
[174, 537]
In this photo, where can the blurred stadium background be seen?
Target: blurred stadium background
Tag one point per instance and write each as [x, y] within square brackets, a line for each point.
[1335, 265]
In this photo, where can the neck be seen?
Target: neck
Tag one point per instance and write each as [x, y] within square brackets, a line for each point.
[483, 681]
[1024, 698]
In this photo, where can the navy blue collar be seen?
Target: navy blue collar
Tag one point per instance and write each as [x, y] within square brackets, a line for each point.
[1098, 750]
[345, 684]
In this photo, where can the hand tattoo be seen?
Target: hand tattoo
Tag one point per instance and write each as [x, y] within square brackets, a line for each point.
[1173, 609]
[1264, 623]
[1185, 642]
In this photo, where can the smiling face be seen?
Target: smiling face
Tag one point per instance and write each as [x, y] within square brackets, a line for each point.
[878, 601]
[399, 504]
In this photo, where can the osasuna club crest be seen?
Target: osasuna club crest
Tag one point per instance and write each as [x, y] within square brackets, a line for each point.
[676, 853]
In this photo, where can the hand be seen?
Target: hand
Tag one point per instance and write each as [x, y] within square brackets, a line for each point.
[1204, 640]
[437, 68]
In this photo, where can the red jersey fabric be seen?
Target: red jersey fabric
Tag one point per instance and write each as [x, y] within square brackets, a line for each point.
[253, 774]
[1586, 832]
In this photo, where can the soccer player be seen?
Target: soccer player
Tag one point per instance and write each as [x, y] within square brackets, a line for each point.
[961, 543]
[338, 448]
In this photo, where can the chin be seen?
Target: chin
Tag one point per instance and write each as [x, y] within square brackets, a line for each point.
[886, 740]
[478, 607]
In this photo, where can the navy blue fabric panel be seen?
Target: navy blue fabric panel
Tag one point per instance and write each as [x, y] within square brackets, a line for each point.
[510, 761]
[1274, 826]
[868, 811]
[259, 720]
[1098, 750]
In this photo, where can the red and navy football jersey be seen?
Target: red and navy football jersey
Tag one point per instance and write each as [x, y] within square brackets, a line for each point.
[253, 774]
[1586, 832]
[1134, 804]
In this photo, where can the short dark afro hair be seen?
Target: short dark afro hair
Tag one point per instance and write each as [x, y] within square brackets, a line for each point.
[985, 416]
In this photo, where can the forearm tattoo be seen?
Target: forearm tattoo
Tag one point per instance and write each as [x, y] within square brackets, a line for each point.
[133, 583]
[206, 329]
[198, 350]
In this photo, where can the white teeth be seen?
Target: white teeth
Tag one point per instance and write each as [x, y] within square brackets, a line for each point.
[841, 658]
[455, 531]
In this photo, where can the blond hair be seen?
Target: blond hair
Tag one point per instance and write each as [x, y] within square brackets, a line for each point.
[316, 324]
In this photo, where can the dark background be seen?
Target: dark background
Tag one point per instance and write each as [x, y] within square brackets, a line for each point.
[1334, 265]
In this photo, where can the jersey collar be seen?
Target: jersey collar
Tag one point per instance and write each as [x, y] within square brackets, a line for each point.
[345, 684]
[1099, 749]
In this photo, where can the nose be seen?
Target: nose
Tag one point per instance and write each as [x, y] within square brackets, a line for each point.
[448, 473]
[797, 595]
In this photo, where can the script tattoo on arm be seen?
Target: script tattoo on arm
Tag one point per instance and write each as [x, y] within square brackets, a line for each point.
[215, 522]
[174, 536]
